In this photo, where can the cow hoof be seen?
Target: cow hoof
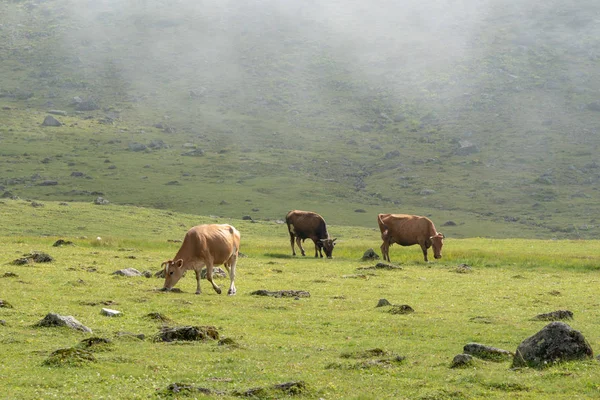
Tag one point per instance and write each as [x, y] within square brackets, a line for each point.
[198, 292]
[231, 292]
[218, 290]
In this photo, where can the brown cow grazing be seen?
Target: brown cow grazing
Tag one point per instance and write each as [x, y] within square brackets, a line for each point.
[407, 230]
[306, 224]
[209, 245]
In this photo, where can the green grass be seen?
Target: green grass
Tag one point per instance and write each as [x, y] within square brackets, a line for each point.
[282, 340]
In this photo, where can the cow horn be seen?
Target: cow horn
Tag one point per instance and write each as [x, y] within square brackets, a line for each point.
[334, 240]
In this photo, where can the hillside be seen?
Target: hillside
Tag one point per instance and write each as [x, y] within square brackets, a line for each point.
[485, 114]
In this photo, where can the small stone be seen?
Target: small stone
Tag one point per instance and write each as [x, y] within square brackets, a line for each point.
[461, 361]
[110, 313]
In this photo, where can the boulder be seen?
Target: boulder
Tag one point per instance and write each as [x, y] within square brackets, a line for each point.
[52, 319]
[486, 352]
[51, 121]
[556, 342]
[127, 272]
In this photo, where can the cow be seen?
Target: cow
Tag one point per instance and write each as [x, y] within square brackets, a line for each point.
[210, 245]
[407, 230]
[305, 224]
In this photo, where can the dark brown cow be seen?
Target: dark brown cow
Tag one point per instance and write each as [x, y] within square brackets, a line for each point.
[209, 245]
[407, 230]
[306, 224]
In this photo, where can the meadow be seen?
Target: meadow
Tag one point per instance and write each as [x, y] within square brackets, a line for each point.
[328, 341]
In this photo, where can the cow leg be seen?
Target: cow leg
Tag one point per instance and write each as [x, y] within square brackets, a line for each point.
[385, 251]
[299, 243]
[231, 269]
[292, 243]
[317, 249]
[424, 248]
[198, 274]
[209, 277]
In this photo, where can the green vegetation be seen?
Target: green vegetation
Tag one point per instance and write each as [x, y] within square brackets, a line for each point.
[484, 115]
[336, 342]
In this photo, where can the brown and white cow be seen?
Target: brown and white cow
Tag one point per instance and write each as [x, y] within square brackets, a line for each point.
[210, 245]
[407, 230]
[305, 224]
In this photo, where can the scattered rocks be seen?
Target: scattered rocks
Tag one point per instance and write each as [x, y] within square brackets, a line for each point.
[52, 320]
[370, 255]
[282, 293]
[51, 121]
[487, 352]
[127, 272]
[402, 309]
[462, 361]
[556, 342]
[188, 333]
[383, 303]
[110, 313]
[555, 316]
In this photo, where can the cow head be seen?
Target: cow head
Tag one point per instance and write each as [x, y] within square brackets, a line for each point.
[173, 273]
[327, 245]
[437, 242]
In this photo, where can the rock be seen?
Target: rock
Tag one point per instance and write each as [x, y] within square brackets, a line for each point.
[187, 333]
[370, 255]
[110, 313]
[127, 272]
[193, 153]
[52, 319]
[77, 174]
[86, 105]
[461, 361]
[556, 342]
[383, 303]
[101, 201]
[5, 304]
[246, 218]
[62, 242]
[402, 309]
[360, 210]
[486, 352]
[48, 183]
[35, 204]
[465, 148]
[449, 223]
[51, 121]
[554, 315]
[463, 269]
[137, 146]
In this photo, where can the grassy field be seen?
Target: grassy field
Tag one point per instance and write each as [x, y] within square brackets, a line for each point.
[320, 340]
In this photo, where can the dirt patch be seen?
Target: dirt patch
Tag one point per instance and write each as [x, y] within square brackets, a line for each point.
[554, 316]
[288, 388]
[70, 357]
[186, 388]
[402, 309]
[61, 242]
[158, 317]
[33, 257]
[372, 358]
[5, 304]
[282, 293]
[96, 344]
[10, 275]
[97, 303]
[187, 333]
[382, 265]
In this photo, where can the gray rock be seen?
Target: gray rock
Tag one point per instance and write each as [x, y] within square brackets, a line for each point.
[383, 303]
[461, 361]
[127, 272]
[370, 255]
[486, 352]
[110, 313]
[52, 319]
[101, 201]
[51, 121]
[556, 342]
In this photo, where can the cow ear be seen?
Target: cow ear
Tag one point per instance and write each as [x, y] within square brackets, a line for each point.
[179, 263]
[334, 240]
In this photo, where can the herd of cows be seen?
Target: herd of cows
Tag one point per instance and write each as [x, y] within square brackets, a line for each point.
[218, 244]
